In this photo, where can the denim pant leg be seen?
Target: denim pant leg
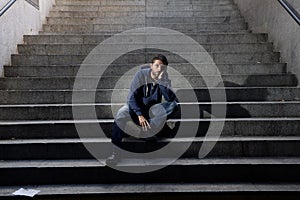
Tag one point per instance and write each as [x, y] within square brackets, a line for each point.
[160, 116]
[125, 114]
[121, 119]
[170, 107]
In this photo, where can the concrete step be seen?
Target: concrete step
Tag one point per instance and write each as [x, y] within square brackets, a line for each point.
[223, 38]
[102, 2]
[242, 94]
[191, 7]
[259, 170]
[99, 8]
[237, 94]
[84, 49]
[208, 13]
[104, 111]
[141, 2]
[57, 149]
[65, 129]
[186, 2]
[147, 8]
[148, 191]
[114, 28]
[96, 20]
[113, 33]
[196, 26]
[109, 82]
[223, 19]
[214, 13]
[119, 69]
[141, 58]
[97, 14]
[153, 21]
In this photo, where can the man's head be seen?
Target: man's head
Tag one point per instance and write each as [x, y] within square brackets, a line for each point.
[158, 65]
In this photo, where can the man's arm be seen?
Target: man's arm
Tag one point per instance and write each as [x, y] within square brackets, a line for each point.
[136, 94]
[166, 87]
[135, 100]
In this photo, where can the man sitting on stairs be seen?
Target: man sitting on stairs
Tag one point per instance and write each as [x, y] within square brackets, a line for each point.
[145, 107]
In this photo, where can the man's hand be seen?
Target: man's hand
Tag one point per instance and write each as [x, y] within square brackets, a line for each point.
[144, 123]
[162, 75]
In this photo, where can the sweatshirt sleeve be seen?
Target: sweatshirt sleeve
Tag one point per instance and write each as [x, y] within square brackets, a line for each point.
[135, 96]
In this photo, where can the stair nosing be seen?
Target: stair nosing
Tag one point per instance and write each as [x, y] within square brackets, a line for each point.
[180, 103]
[153, 188]
[133, 162]
[45, 122]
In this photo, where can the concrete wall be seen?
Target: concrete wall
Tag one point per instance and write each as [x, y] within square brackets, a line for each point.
[21, 19]
[268, 16]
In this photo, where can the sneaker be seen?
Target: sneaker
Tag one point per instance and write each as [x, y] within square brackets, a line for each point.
[171, 124]
[113, 160]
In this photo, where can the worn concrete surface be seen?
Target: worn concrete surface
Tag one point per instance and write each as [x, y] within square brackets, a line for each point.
[268, 16]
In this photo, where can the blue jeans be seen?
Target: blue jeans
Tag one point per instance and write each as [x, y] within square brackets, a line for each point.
[125, 114]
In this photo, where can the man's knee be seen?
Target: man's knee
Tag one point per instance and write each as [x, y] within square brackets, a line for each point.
[170, 107]
[123, 113]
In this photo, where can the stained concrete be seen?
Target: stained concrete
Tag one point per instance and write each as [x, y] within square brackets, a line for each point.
[268, 16]
[22, 18]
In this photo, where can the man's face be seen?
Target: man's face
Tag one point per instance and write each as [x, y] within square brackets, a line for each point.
[156, 68]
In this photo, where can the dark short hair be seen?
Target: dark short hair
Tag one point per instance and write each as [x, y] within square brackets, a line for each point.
[160, 57]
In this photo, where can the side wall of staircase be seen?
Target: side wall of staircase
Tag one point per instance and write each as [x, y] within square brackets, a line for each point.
[268, 16]
[20, 19]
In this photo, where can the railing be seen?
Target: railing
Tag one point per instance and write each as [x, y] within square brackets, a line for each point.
[34, 3]
[291, 10]
[7, 6]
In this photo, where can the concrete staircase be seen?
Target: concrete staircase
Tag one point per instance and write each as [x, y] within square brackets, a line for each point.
[258, 152]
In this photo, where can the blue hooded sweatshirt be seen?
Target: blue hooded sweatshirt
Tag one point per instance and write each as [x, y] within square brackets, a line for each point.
[144, 93]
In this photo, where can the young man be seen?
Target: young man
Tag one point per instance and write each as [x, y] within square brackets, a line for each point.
[145, 107]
